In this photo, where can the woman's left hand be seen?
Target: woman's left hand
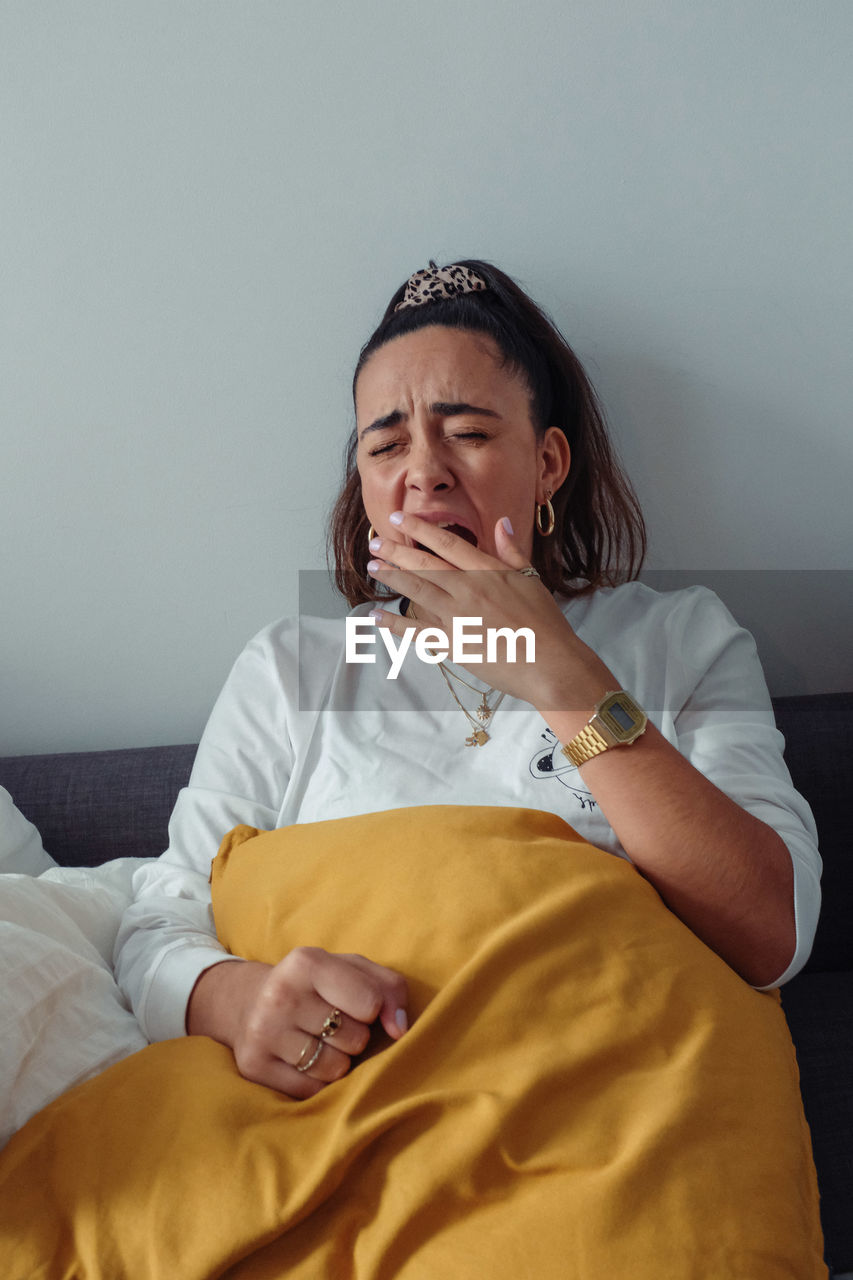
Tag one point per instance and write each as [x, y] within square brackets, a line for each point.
[460, 581]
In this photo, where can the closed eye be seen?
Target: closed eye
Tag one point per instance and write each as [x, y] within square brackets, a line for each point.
[456, 435]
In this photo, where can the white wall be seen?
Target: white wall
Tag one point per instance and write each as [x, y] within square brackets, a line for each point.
[205, 206]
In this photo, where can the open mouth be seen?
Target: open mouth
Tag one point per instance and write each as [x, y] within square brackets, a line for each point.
[458, 529]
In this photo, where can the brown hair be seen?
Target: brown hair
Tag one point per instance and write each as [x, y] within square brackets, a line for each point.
[599, 537]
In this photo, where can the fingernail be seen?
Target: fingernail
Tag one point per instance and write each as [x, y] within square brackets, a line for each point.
[375, 614]
[374, 544]
[507, 526]
[401, 1020]
[373, 565]
[396, 517]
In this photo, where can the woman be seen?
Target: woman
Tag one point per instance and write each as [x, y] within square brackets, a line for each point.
[480, 485]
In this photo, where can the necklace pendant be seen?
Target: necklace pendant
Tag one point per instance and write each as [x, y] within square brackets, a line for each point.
[484, 711]
[478, 738]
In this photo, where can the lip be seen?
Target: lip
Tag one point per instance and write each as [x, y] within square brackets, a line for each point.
[449, 517]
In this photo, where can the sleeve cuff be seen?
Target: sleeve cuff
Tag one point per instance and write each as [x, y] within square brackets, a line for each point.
[806, 913]
[164, 1011]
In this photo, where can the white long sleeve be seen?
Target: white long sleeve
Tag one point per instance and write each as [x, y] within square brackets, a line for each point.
[167, 937]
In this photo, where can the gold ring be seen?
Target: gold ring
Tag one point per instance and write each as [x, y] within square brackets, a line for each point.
[332, 1025]
[306, 1066]
[529, 572]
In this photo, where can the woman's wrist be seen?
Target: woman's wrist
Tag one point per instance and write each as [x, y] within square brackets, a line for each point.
[220, 995]
[569, 688]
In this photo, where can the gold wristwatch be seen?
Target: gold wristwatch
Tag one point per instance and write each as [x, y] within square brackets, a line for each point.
[616, 721]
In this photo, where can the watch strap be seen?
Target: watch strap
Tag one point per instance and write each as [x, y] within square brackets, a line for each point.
[586, 744]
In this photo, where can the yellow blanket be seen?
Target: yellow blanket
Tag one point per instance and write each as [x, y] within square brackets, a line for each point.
[586, 1092]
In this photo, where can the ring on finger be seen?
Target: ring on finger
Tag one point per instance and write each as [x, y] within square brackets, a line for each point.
[529, 572]
[311, 1044]
[332, 1025]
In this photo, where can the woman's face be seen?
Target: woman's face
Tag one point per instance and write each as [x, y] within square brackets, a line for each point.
[444, 432]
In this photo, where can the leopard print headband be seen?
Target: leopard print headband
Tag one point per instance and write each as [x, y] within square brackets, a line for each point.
[439, 282]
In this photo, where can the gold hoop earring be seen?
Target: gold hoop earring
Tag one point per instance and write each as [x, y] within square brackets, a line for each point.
[549, 529]
[371, 533]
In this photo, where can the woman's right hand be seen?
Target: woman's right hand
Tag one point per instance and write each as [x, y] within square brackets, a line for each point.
[273, 1016]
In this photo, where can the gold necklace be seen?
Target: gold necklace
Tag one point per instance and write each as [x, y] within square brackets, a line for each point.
[479, 737]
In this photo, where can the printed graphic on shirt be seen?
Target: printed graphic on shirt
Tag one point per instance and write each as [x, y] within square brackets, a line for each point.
[549, 762]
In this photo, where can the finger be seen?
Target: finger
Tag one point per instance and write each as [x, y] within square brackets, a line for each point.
[316, 1058]
[388, 547]
[302, 989]
[399, 555]
[446, 545]
[505, 545]
[431, 589]
[274, 1072]
[319, 1020]
[358, 990]
[393, 1012]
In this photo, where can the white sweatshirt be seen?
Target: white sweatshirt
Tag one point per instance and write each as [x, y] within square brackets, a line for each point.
[299, 734]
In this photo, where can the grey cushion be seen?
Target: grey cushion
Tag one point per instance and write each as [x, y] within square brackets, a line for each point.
[91, 806]
[818, 730]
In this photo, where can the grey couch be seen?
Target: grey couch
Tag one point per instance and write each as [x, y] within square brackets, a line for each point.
[94, 806]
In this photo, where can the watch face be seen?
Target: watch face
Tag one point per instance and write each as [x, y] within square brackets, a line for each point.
[622, 717]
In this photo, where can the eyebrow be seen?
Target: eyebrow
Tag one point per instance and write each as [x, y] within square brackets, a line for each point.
[441, 408]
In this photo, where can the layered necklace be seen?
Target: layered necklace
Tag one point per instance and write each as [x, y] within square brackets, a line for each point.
[483, 712]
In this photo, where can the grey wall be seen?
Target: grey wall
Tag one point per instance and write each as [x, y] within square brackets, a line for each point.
[206, 205]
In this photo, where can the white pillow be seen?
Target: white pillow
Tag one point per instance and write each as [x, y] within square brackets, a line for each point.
[62, 1016]
[20, 844]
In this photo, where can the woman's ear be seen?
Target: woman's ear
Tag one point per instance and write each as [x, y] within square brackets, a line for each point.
[555, 459]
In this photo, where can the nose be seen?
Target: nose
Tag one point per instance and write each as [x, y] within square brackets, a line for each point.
[428, 470]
